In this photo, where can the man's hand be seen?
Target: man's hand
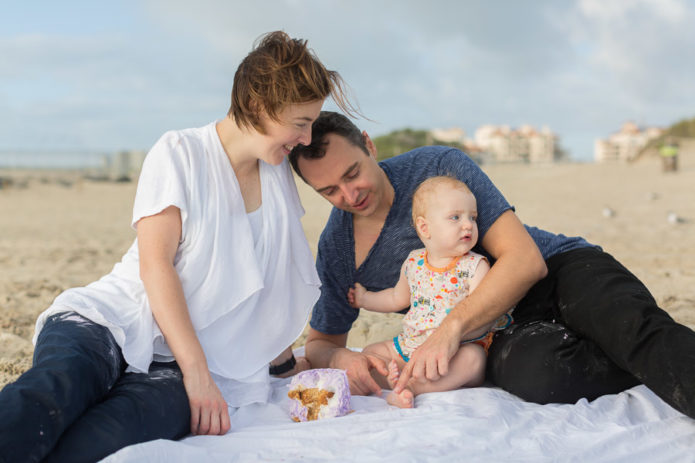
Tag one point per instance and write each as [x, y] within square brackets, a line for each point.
[358, 366]
[430, 361]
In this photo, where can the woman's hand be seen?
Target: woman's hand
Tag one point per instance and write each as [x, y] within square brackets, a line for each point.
[209, 413]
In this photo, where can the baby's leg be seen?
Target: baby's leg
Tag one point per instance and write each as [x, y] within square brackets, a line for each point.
[404, 399]
[466, 369]
[384, 352]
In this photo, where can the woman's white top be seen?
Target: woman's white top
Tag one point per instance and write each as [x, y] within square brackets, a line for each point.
[249, 294]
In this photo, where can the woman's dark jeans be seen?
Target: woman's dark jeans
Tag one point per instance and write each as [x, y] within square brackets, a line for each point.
[590, 328]
[76, 403]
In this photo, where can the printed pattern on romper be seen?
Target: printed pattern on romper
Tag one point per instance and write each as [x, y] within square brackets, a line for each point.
[433, 293]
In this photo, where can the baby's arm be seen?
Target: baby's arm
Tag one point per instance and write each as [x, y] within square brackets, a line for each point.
[387, 300]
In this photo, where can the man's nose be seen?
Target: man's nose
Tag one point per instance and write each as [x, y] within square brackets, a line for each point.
[350, 194]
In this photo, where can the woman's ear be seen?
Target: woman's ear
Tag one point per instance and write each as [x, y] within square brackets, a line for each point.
[421, 227]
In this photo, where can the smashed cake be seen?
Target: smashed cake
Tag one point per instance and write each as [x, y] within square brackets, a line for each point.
[319, 393]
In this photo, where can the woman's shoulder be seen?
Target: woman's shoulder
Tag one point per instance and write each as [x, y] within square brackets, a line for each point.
[183, 140]
[178, 146]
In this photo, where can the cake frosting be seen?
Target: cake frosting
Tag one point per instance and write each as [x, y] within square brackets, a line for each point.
[319, 393]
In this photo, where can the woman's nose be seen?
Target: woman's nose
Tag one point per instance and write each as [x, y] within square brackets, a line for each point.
[305, 137]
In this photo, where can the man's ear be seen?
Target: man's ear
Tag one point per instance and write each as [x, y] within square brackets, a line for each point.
[369, 143]
[421, 227]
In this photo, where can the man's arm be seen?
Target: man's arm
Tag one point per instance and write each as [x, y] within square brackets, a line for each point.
[519, 265]
[329, 351]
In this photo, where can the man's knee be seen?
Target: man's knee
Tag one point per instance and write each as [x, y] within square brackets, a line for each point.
[545, 362]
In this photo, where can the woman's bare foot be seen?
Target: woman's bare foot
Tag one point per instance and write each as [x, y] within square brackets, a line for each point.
[405, 398]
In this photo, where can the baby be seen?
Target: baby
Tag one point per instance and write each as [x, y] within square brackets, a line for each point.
[433, 280]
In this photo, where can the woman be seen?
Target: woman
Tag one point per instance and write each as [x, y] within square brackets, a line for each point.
[218, 283]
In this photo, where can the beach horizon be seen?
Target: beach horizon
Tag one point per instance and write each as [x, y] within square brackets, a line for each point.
[61, 230]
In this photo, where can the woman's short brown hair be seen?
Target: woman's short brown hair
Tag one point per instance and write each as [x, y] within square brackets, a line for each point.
[278, 72]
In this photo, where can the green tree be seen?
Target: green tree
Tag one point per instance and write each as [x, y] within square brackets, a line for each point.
[681, 129]
[400, 141]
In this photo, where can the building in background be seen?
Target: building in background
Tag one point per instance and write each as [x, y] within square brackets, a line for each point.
[457, 137]
[123, 166]
[524, 144]
[451, 135]
[625, 144]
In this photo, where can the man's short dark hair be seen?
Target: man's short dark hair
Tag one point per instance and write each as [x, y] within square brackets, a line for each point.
[327, 122]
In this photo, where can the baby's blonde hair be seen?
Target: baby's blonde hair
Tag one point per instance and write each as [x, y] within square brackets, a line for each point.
[429, 187]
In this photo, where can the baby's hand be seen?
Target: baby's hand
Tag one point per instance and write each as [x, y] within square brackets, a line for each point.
[356, 295]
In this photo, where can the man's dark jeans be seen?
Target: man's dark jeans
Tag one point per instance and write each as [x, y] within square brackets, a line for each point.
[590, 328]
[76, 403]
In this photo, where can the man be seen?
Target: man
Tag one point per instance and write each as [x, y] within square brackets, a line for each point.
[584, 325]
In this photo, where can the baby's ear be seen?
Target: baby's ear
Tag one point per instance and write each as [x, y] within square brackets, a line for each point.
[421, 227]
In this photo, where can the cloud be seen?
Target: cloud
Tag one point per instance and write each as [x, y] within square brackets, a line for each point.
[99, 92]
[580, 67]
[644, 50]
[407, 61]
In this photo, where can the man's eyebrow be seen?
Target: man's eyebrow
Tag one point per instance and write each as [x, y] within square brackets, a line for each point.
[345, 174]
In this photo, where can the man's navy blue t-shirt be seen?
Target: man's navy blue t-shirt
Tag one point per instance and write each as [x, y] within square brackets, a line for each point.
[335, 261]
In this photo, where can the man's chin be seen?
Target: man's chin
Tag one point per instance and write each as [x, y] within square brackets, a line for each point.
[362, 211]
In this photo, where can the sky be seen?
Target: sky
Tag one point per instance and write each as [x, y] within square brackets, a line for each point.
[107, 76]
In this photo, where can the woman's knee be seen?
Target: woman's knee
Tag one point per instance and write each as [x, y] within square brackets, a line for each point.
[139, 408]
[67, 376]
[69, 338]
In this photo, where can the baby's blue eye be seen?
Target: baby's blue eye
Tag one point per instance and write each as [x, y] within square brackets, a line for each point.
[454, 217]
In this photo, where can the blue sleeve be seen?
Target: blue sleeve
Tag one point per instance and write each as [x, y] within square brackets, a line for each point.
[332, 313]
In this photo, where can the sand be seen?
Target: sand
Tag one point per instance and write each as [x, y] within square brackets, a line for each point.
[58, 230]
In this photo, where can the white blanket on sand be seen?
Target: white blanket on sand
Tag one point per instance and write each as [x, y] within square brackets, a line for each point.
[482, 424]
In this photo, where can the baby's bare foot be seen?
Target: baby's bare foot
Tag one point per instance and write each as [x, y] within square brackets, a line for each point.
[394, 374]
[405, 398]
